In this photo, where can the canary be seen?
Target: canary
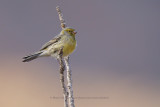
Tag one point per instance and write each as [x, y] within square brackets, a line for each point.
[65, 40]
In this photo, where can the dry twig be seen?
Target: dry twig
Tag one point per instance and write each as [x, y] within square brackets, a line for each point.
[67, 94]
[63, 24]
[62, 68]
[69, 85]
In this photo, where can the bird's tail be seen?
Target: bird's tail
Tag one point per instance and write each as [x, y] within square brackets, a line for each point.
[31, 57]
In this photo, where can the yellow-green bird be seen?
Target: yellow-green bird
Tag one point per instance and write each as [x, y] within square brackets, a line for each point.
[65, 40]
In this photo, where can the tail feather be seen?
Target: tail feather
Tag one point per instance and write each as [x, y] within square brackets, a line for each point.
[31, 57]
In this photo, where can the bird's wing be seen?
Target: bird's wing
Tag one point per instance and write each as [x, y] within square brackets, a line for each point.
[52, 41]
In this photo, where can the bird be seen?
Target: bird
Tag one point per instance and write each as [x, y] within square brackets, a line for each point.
[65, 40]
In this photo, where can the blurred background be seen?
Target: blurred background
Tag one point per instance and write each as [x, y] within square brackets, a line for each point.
[118, 53]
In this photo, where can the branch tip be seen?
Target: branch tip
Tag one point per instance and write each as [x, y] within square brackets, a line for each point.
[63, 24]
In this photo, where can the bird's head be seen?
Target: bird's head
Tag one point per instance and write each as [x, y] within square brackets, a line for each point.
[69, 31]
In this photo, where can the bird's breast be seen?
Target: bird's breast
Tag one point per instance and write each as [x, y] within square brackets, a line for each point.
[69, 46]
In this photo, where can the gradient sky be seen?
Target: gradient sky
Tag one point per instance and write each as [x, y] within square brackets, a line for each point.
[118, 53]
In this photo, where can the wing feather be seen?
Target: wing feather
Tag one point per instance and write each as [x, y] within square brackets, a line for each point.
[52, 41]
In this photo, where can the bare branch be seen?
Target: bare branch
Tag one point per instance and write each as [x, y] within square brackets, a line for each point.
[69, 79]
[63, 24]
[68, 95]
[62, 68]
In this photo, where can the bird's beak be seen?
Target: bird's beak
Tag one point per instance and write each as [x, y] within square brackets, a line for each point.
[74, 33]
